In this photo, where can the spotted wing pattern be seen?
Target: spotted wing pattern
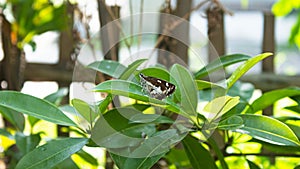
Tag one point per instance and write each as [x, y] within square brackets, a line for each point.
[156, 88]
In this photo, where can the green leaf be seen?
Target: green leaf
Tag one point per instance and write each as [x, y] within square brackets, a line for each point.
[5, 133]
[117, 131]
[293, 108]
[84, 110]
[109, 67]
[67, 163]
[242, 69]
[103, 104]
[269, 98]
[156, 72]
[220, 106]
[34, 107]
[131, 68]
[252, 165]
[125, 88]
[201, 85]
[150, 118]
[231, 123]
[14, 117]
[51, 153]
[57, 97]
[87, 157]
[27, 143]
[220, 63]
[197, 154]
[268, 129]
[186, 89]
[140, 163]
[178, 158]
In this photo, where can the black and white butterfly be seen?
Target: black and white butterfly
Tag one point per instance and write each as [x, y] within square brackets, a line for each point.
[156, 88]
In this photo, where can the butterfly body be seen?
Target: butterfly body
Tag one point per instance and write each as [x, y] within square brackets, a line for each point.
[156, 88]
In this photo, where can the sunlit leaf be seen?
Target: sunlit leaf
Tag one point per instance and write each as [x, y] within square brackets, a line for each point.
[34, 107]
[199, 157]
[186, 89]
[51, 153]
[131, 68]
[271, 97]
[242, 69]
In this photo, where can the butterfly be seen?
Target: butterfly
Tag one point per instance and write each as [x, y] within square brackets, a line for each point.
[156, 88]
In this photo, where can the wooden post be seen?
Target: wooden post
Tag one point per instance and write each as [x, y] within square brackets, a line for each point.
[216, 35]
[268, 46]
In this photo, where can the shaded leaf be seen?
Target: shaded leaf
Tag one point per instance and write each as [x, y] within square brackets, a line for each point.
[231, 123]
[87, 157]
[109, 67]
[84, 110]
[57, 97]
[268, 129]
[150, 118]
[34, 107]
[14, 117]
[27, 143]
[199, 157]
[252, 165]
[131, 68]
[5, 133]
[242, 69]
[67, 163]
[51, 153]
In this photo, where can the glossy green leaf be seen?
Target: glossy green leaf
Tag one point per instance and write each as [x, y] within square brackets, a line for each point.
[156, 72]
[131, 69]
[27, 143]
[269, 98]
[140, 163]
[268, 129]
[57, 97]
[199, 157]
[242, 69]
[51, 153]
[231, 123]
[14, 117]
[67, 163]
[221, 63]
[150, 118]
[186, 89]
[117, 131]
[109, 67]
[34, 107]
[178, 158]
[84, 110]
[103, 104]
[220, 106]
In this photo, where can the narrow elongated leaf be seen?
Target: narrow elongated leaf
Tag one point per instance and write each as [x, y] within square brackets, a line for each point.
[109, 67]
[67, 163]
[140, 163]
[186, 89]
[242, 69]
[150, 118]
[268, 129]
[199, 157]
[27, 143]
[16, 118]
[84, 110]
[231, 123]
[220, 63]
[293, 108]
[51, 153]
[87, 157]
[201, 85]
[34, 107]
[271, 97]
[131, 68]
[57, 97]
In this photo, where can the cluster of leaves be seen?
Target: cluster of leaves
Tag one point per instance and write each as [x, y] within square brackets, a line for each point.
[34, 17]
[285, 7]
[137, 137]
